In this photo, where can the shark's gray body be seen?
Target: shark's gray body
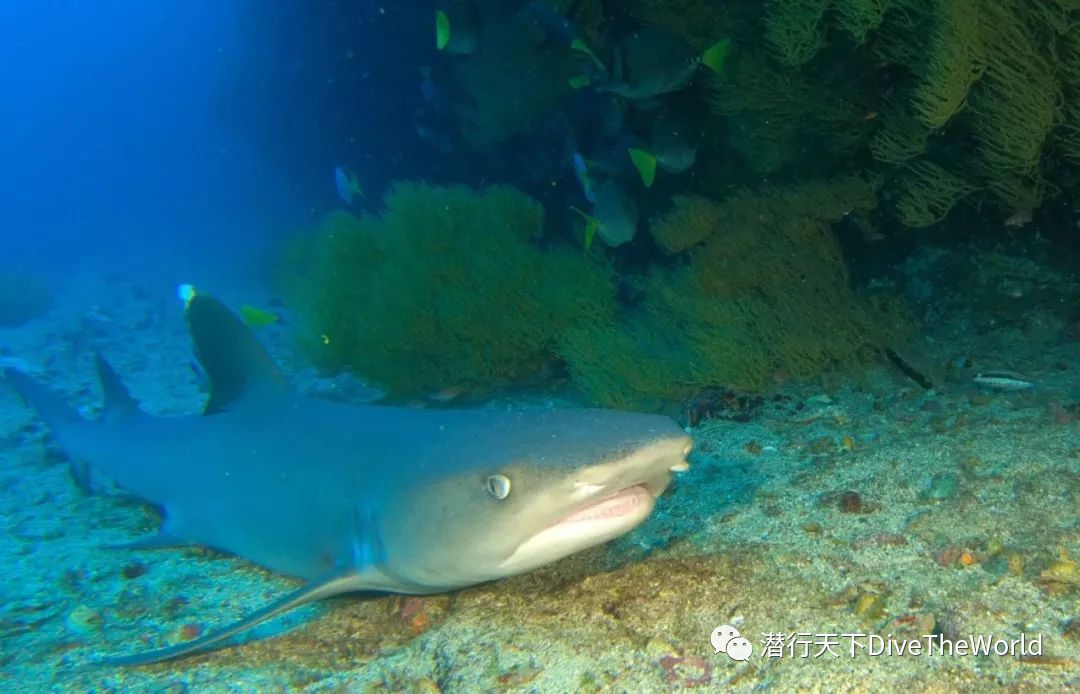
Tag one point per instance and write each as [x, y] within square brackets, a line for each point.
[363, 497]
[287, 482]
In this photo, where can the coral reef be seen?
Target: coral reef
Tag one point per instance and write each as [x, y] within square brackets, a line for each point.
[446, 288]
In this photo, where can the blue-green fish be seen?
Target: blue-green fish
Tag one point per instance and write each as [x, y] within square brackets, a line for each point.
[650, 62]
[347, 185]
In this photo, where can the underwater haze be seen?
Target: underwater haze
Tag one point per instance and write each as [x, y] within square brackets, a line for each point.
[540, 345]
[180, 134]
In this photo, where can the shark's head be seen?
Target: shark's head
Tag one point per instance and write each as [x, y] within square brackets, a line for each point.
[527, 488]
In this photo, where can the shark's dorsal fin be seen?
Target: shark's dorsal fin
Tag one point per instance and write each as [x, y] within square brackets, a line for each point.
[235, 363]
[118, 401]
[349, 581]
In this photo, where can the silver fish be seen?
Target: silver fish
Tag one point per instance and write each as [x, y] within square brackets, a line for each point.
[617, 214]
[674, 149]
[650, 62]
[1010, 381]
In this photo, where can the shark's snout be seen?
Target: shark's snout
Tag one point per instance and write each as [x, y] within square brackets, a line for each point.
[607, 500]
[649, 466]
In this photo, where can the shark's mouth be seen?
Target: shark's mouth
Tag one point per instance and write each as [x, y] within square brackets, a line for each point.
[625, 502]
[599, 520]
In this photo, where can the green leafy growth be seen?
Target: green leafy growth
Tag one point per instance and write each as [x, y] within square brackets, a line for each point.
[765, 291]
[446, 288]
[777, 115]
[956, 60]
[795, 29]
[928, 192]
[860, 17]
[986, 91]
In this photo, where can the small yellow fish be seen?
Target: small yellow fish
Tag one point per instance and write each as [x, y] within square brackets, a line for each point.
[347, 185]
[716, 55]
[257, 317]
[592, 224]
[581, 47]
[645, 163]
[579, 82]
[442, 30]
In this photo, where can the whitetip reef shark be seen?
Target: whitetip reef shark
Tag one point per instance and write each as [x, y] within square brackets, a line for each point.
[361, 498]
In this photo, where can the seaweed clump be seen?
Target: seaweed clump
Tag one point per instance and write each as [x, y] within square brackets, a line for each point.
[951, 101]
[764, 292]
[446, 288]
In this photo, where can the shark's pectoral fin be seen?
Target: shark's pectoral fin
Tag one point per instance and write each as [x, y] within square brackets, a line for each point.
[333, 584]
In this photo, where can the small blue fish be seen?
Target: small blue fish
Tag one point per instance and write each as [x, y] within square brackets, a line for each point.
[581, 170]
[347, 184]
[428, 90]
[201, 379]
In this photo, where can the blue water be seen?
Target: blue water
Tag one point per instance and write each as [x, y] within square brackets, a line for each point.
[190, 133]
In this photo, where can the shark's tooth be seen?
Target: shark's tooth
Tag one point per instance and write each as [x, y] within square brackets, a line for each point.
[681, 466]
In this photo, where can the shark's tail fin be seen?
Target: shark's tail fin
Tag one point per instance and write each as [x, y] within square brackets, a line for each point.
[56, 413]
[58, 416]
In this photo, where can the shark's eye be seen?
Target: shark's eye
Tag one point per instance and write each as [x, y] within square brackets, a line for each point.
[498, 486]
